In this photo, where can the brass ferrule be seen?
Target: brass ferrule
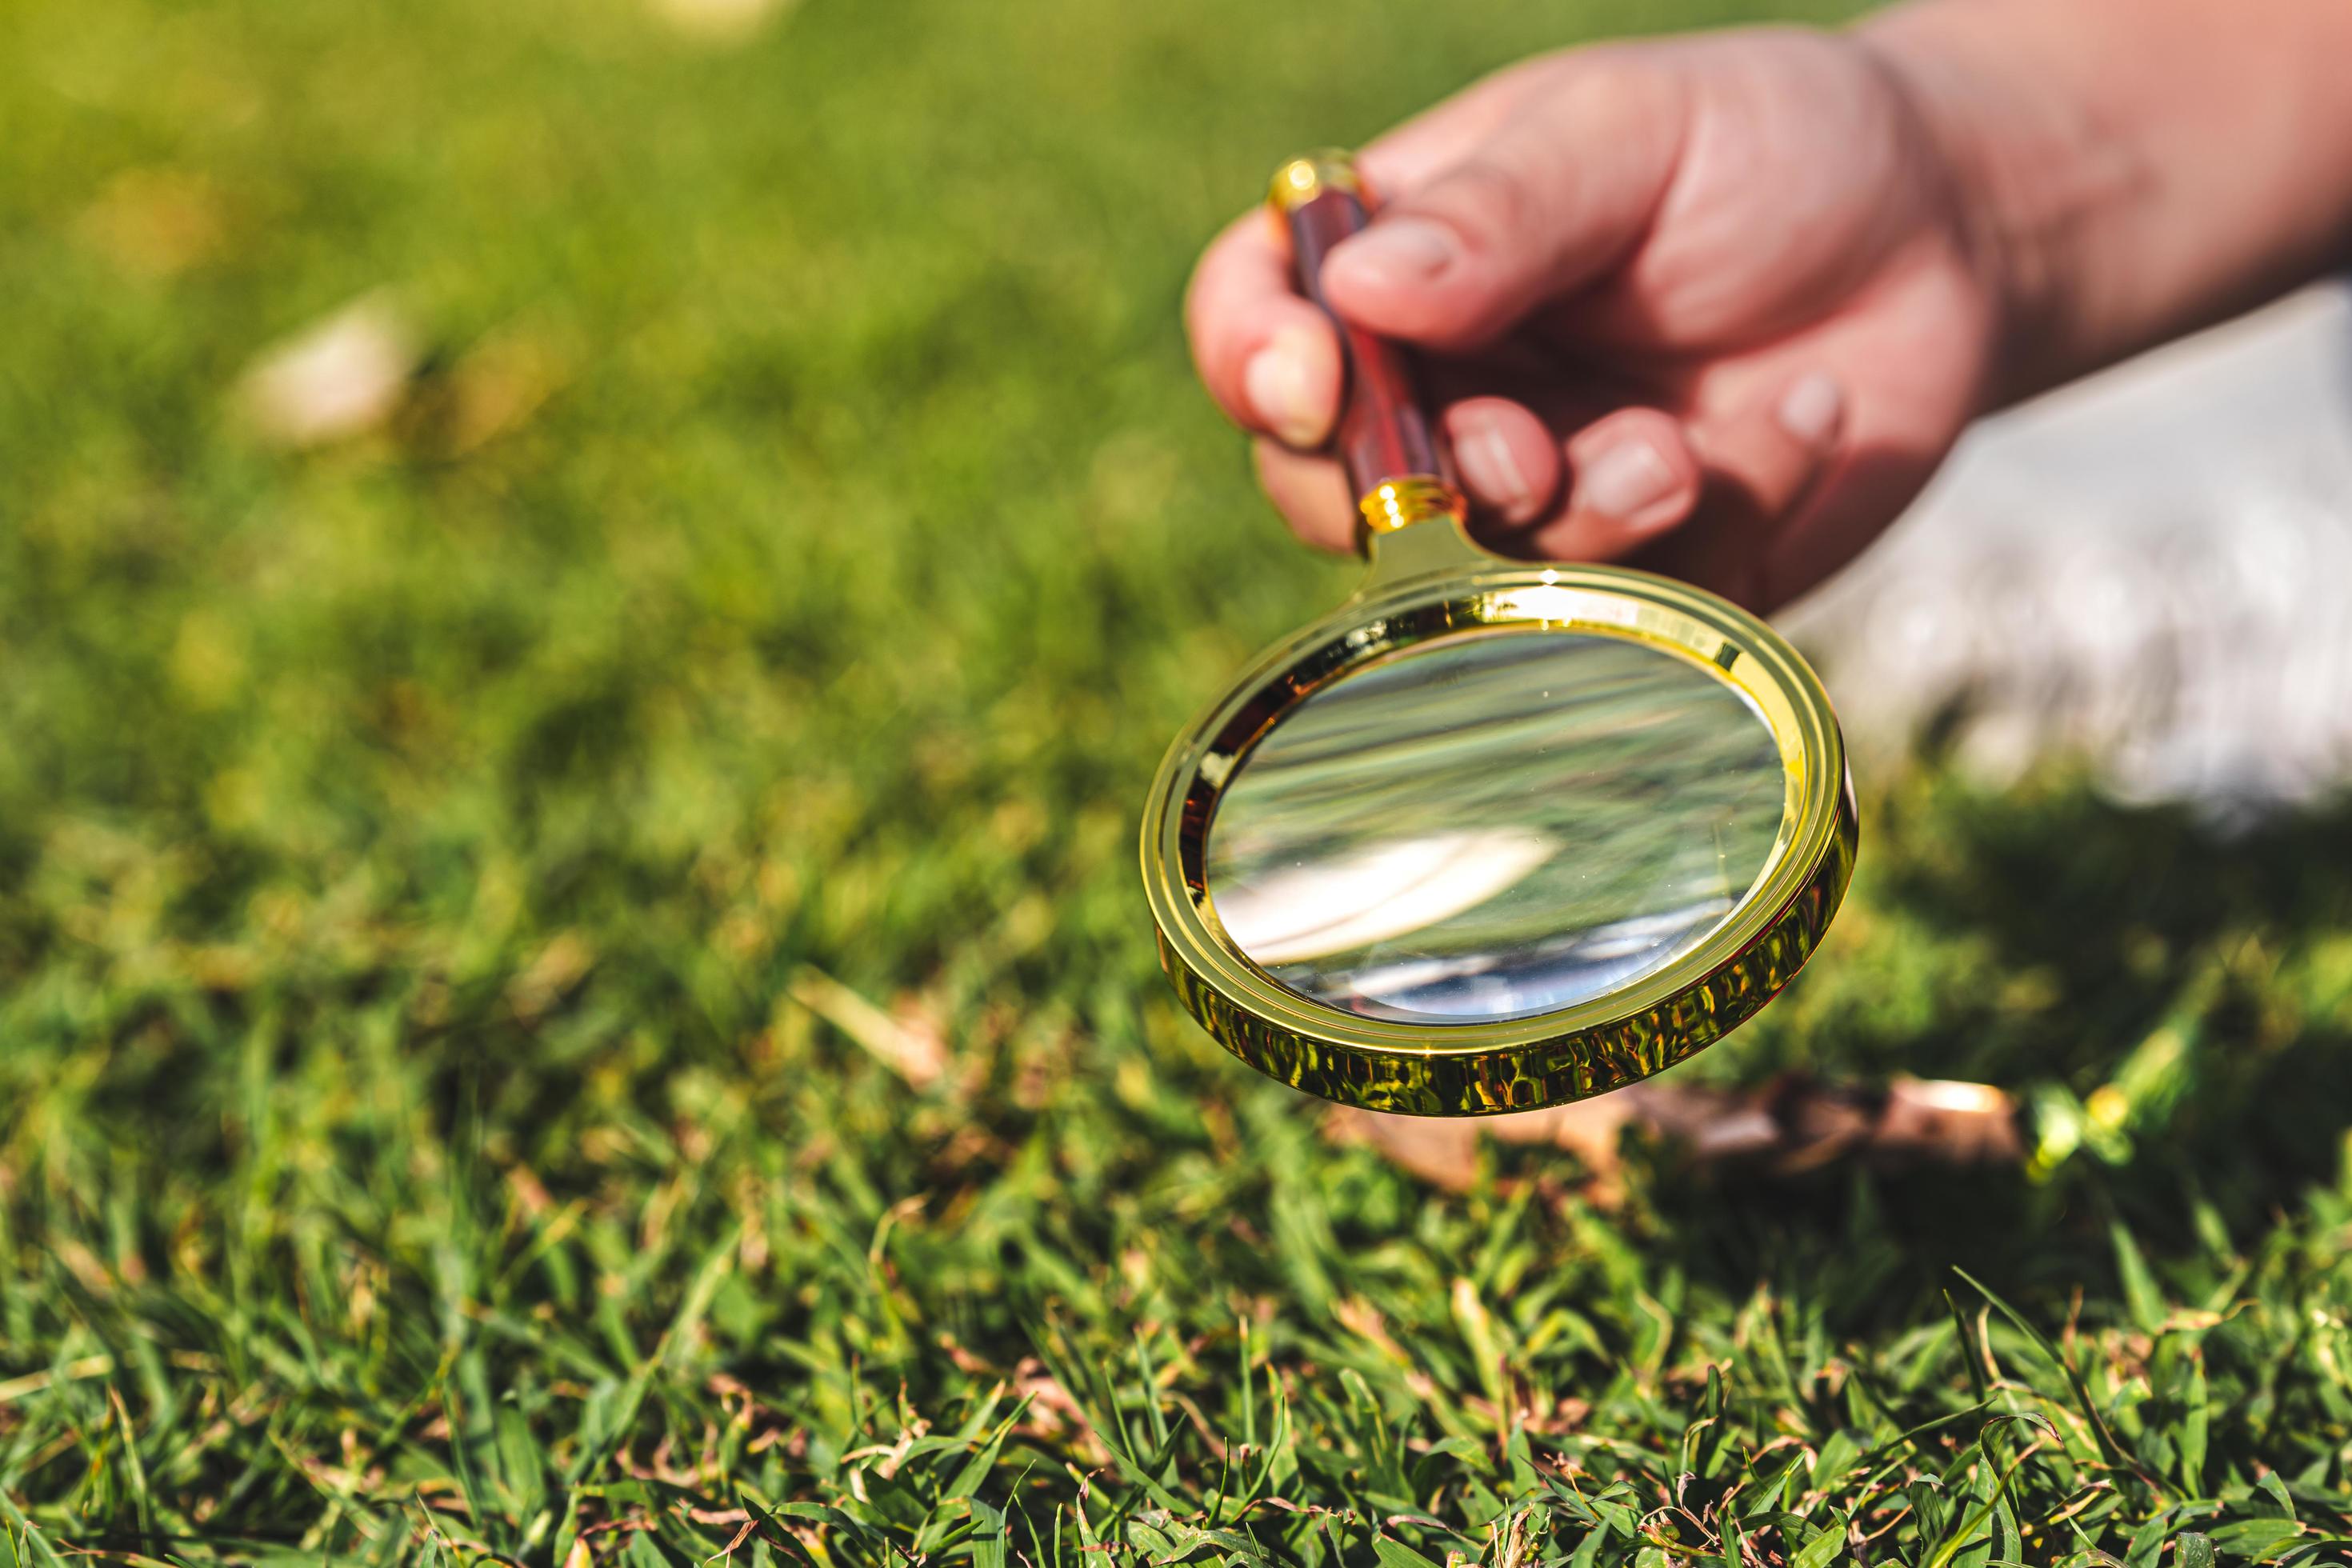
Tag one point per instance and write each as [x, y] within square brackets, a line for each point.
[1301, 180]
[1416, 497]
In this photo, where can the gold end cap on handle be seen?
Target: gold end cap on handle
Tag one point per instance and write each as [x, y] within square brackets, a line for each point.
[1302, 179]
[1416, 497]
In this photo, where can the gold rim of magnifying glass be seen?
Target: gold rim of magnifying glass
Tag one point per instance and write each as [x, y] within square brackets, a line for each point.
[1428, 581]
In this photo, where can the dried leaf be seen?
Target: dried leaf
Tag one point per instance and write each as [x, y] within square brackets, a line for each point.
[1787, 1127]
[500, 384]
[157, 222]
[559, 966]
[904, 1044]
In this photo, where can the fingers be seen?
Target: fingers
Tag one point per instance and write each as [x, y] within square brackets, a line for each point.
[1774, 449]
[1268, 357]
[1507, 459]
[1618, 479]
[1763, 464]
[1702, 502]
[1310, 492]
[1546, 470]
[1707, 500]
[1558, 192]
[1632, 476]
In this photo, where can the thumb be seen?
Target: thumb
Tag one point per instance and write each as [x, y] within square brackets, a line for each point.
[1556, 196]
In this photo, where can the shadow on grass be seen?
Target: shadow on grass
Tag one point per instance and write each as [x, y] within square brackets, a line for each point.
[2171, 1007]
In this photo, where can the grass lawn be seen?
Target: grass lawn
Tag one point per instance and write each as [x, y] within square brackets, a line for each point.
[573, 984]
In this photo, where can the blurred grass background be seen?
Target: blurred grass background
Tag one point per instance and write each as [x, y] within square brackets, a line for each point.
[572, 985]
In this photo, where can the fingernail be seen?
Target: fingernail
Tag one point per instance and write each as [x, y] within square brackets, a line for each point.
[1810, 409]
[1628, 477]
[1401, 251]
[1276, 384]
[1491, 471]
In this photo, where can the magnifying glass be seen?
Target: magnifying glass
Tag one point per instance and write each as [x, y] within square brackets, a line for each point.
[1492, 834]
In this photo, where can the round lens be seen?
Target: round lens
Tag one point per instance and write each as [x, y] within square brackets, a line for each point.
[1494, 826]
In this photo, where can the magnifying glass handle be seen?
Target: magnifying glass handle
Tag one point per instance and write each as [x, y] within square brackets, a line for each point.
[1384, 440]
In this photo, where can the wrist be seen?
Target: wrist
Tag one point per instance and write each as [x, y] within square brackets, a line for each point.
[2026, 183]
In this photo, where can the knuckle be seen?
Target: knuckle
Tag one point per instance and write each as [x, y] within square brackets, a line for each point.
[1494, 201]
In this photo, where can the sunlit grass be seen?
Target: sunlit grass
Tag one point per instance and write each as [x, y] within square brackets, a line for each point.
[572, 979]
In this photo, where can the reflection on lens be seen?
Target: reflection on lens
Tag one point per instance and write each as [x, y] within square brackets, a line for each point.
[1494, 826]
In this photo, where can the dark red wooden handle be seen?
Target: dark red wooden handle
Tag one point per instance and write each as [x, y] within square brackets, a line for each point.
[1383, 432]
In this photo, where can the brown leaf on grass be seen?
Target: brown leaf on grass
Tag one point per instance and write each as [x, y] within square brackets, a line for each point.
[1444, 1151]
[1591, 1130]
[1052, 1411]
[909, 1044]
[1792, 1125]
[1363, 1320]
[1964, 1123]
[726, 1552]
[1440, 1150]
[1055, 1410]
[531, 1193]
[550, 977]
[157, 222]
[72, 1371]
[341, 376]
[500, 384]
[965, 1362]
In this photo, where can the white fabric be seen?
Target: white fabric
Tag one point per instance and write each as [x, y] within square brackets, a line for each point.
[2151, 569]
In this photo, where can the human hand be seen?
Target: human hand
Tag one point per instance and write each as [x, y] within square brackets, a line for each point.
[1709, 304]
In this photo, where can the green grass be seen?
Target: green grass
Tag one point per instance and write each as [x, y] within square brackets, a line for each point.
[411, 1143]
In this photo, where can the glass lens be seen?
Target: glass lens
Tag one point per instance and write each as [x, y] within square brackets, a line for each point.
[1495, 825]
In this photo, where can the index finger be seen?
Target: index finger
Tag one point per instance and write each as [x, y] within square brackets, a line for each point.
[1267, 356]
